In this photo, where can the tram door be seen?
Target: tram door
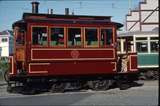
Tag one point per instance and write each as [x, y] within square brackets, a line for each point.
[125, 47]
[19, 48]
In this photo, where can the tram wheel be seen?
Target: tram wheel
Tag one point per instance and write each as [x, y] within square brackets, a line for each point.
[100, 84]
[124, 86]
[9, 89]
[150, 74]
[57, 87]
[28, 89]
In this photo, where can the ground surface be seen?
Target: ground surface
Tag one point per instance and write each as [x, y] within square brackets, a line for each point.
[146, 95]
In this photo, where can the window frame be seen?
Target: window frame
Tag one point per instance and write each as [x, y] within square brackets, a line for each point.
[153, 40]
[140, 41]
[81, 35]
[49, 38]
[41, 26]
[98, 37]
[24, 37]
[113, 36]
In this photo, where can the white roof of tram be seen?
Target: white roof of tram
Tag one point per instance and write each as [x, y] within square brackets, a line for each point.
[129, 34]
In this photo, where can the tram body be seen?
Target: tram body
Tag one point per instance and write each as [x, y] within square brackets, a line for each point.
[55, 48]
[38, 56]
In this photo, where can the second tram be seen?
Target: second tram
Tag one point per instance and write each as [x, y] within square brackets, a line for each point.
[146, 44]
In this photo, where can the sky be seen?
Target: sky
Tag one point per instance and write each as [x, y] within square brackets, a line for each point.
[12, 10]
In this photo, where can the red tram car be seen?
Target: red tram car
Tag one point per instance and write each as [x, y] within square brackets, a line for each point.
[68, 50]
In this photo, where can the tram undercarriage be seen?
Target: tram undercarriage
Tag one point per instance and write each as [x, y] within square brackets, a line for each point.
[34, 85]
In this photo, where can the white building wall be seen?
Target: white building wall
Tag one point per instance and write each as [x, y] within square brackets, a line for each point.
[4, 46]
[147, 16]
[151, 4]
[5, 51]
[134, 16]
[136, 26]
[148, 27]
[151, 19]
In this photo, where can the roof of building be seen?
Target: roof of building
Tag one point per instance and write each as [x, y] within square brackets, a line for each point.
[6, 32]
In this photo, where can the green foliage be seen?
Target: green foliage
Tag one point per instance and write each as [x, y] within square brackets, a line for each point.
[4, 66]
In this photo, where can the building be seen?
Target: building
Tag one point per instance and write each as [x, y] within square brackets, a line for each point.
[143, 18]
[6, 43]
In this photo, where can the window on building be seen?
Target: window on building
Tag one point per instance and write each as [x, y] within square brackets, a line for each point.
[142, 46]
[91, 38]
[57, 37]
[74, 37]
[106, 37]
[4, 39]
[39, 36]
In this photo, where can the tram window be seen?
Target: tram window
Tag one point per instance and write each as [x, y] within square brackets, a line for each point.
[74, 37]
[57, 37]
[118, 45]
[154, 38]
[141, 38]
[142, 46]
[39, 36]
[154, 46]
[106, 37]
[91, 37]
[124, 46]
[129, 46]
[20, 37]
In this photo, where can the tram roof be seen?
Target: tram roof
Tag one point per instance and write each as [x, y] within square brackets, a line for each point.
[131, 33]
[58, 18]
[41, 15]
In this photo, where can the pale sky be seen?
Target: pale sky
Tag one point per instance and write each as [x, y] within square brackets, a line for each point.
[11, 11]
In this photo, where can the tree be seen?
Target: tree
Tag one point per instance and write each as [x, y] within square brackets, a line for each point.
[4, 66]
